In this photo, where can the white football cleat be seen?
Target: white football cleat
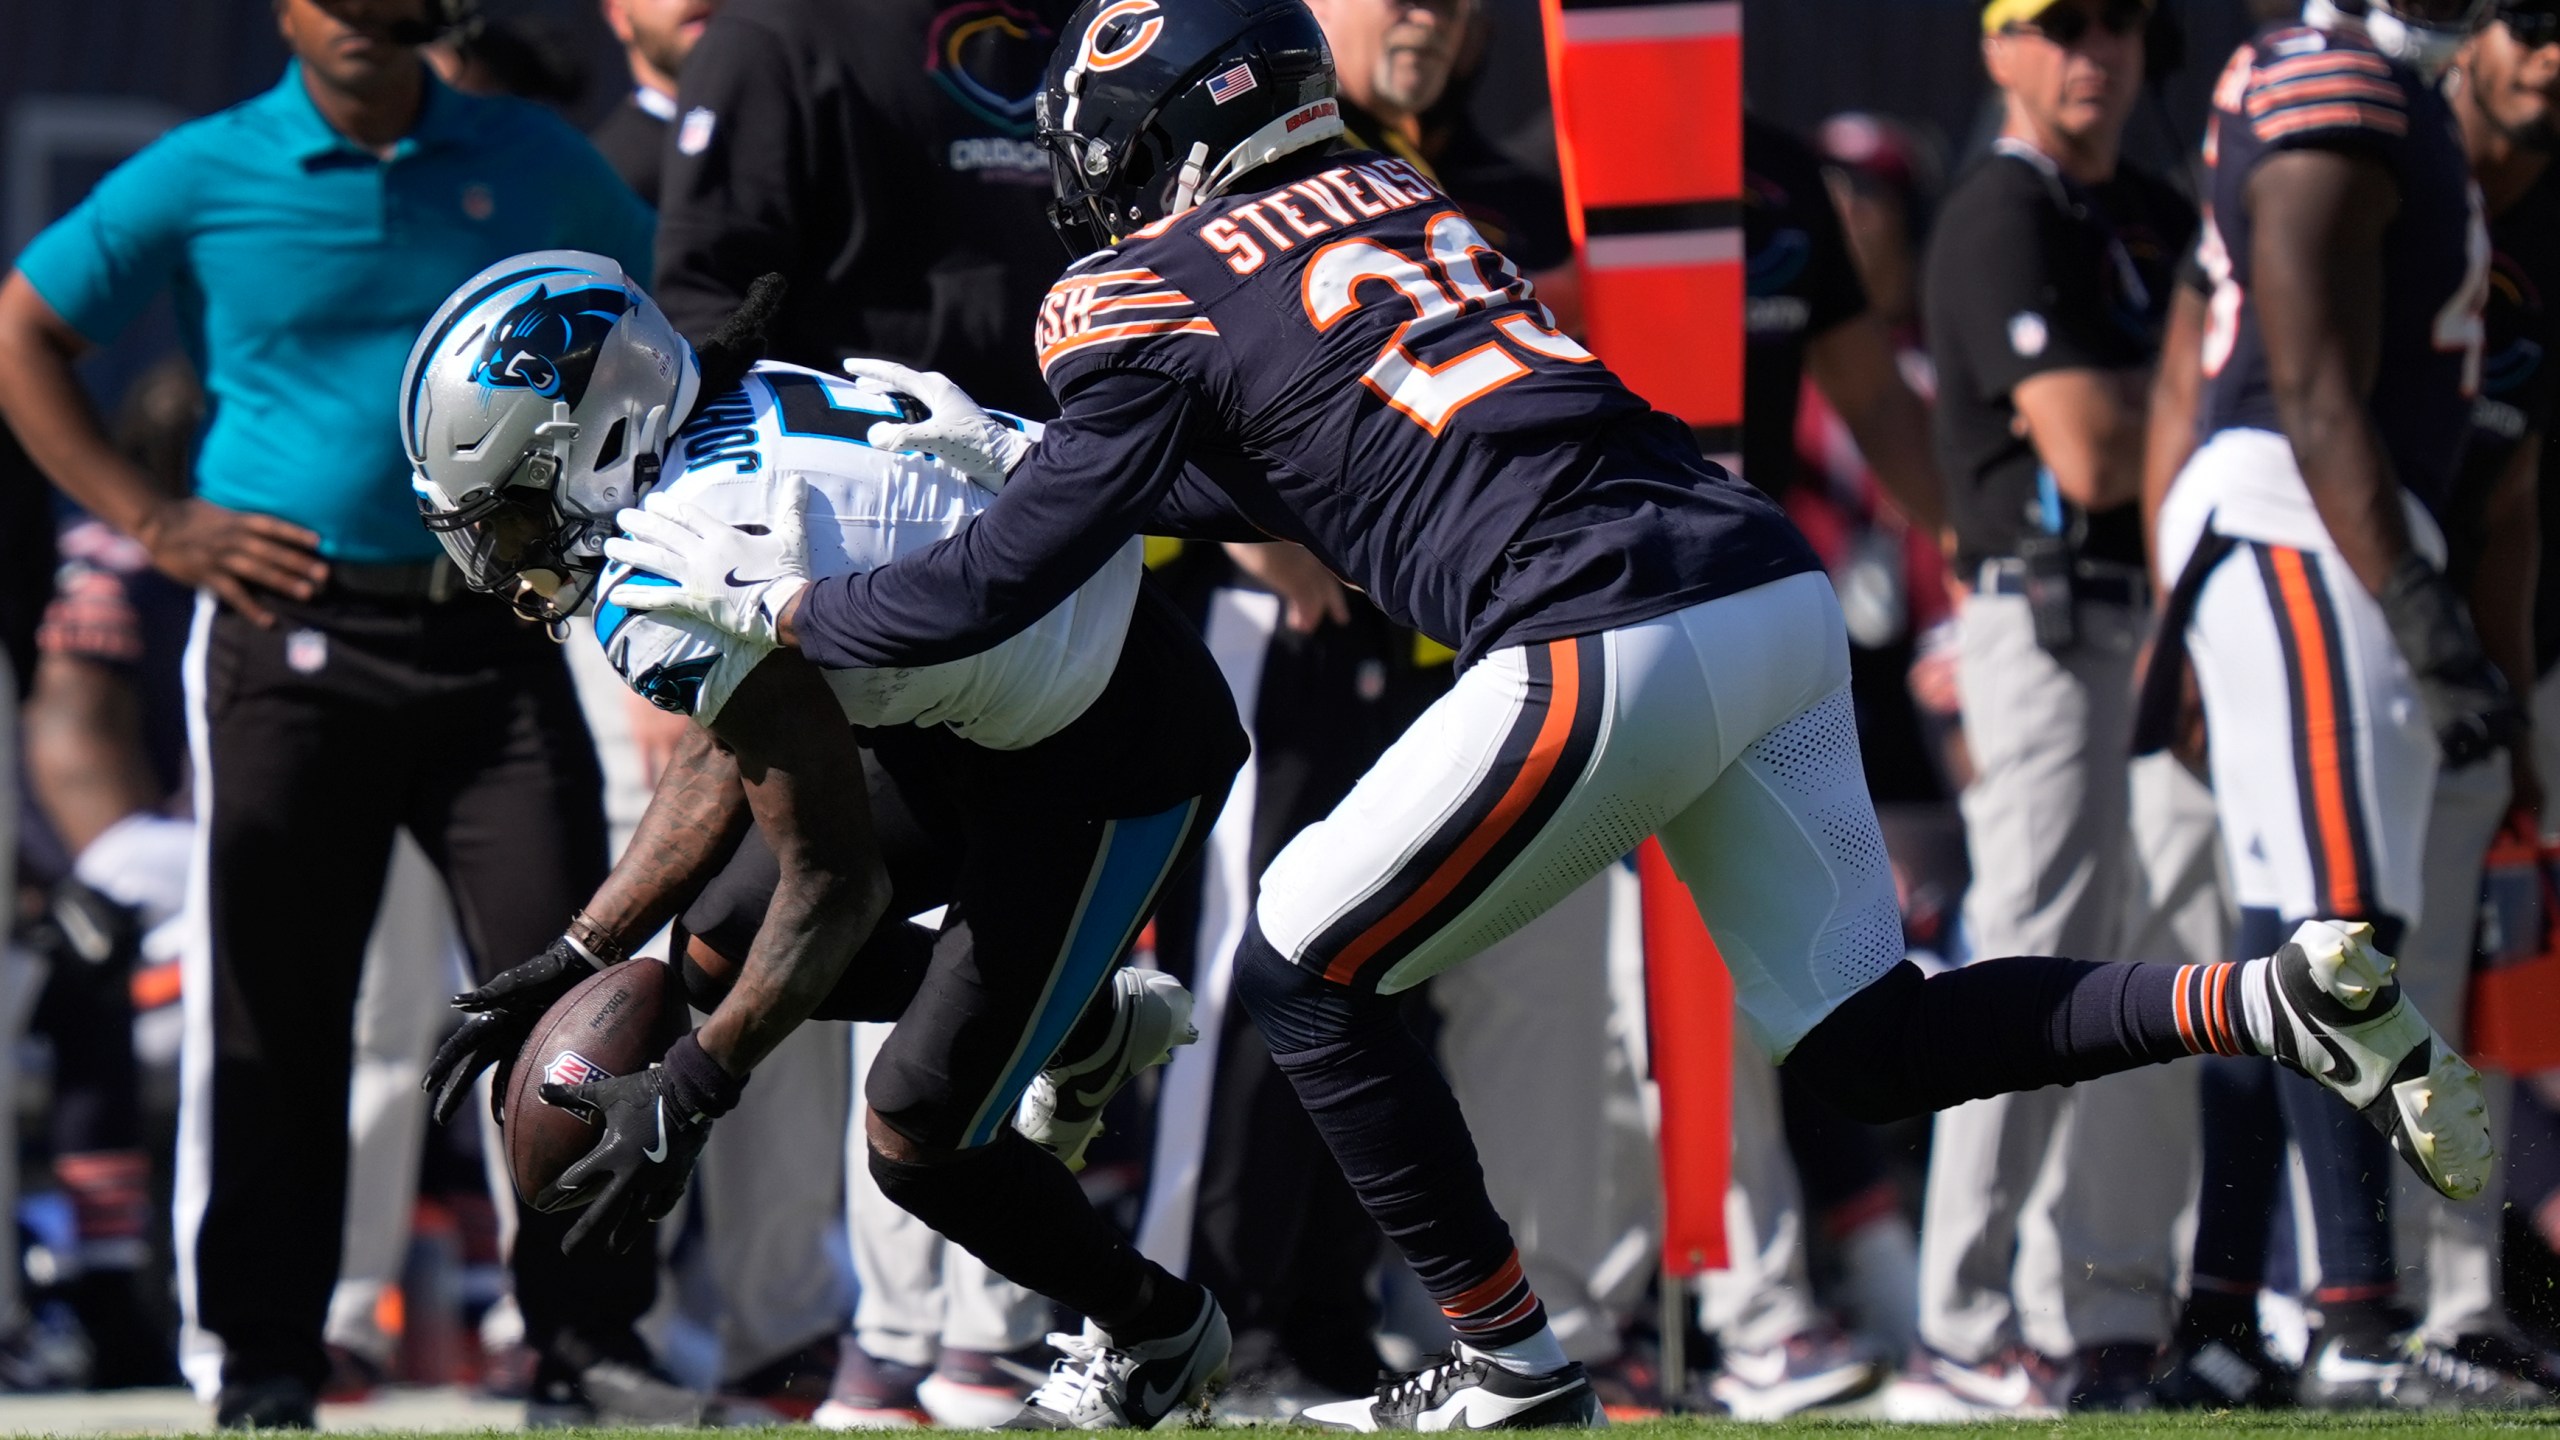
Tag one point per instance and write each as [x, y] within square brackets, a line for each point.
[1061, 1112]
[2340, 1018]
[1104, 1386]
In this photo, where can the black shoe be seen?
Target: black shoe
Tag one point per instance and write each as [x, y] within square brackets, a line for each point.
[2219, 1361]
[2480, 1372]
[611, 1393]
[2115, 1377]
[1467, 1390]
[279, 1402]
[2363, 1369]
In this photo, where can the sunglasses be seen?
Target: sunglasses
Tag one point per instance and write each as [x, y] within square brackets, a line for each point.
[2533, 24]
[2067, 25]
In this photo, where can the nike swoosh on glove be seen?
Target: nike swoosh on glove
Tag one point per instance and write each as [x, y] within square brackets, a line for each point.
[955, 430]
[502, 1013]
[655, 1124]
[729, 578]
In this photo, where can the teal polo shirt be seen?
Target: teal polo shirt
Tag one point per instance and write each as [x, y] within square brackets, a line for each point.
[304, 266]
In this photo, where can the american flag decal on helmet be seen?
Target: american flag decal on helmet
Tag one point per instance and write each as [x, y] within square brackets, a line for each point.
[1228, 84]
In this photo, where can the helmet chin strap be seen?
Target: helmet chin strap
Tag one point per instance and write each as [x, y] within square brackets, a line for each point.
[1186, 188]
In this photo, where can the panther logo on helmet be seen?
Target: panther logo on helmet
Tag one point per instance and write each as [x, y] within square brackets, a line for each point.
[548, 342]
[1129, 43]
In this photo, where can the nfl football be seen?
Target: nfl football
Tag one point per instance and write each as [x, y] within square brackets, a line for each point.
[617, 1022]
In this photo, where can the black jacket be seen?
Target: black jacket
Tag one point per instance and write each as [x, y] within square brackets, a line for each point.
[877, 153]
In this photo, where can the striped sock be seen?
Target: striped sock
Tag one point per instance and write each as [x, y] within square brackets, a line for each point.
[2212, 1010]
[1497, 1311]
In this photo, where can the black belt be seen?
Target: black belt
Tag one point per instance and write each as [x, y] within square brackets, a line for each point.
[434, 581]
[2090, 580]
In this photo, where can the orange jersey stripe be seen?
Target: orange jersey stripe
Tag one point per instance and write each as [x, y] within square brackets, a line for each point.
[2362, 87]
[2323, 731]
[2326, 62]
[1105, 334]
[2336, 115]
[1543, 754]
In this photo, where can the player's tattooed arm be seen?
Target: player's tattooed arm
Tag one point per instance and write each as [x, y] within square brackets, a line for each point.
[802, 776]
[692, 825]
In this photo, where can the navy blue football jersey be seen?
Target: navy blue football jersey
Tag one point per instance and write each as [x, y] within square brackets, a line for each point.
[2294, 87]
[1341, 360]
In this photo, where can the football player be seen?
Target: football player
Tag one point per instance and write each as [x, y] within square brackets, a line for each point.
[2339, 668]
[1275, 336]
[1080, 762]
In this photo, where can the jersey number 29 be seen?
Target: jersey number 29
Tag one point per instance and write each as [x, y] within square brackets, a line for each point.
[1447, 288]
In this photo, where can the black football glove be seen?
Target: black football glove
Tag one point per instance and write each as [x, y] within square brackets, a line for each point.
[502, 1013]
[655, 1124]
[2469, 704]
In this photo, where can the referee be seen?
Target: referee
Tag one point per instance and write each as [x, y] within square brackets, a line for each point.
[340, 684]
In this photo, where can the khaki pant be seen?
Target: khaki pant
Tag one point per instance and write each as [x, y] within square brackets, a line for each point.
[2051, 1216]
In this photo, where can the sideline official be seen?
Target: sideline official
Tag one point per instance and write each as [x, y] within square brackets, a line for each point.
[2045, 288]
[340, 685]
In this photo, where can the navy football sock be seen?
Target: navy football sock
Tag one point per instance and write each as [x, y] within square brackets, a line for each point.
[1011, 1204]
[1386, 1113]
[1909, 1044]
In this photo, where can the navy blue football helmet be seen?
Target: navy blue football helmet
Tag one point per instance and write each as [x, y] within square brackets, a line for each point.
[1151, 106]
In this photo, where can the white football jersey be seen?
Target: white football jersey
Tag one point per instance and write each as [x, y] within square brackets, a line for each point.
[787, 426]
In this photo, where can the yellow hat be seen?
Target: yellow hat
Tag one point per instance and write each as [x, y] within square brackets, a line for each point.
[1999, 15]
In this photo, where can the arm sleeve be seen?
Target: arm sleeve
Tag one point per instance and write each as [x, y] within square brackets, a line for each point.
[2021, 299]
[1195, 508]
[1095, 479]
[730, 202]
[2329, 100]
[101, 264]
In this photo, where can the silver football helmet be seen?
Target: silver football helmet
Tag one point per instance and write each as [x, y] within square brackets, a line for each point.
[537, 403]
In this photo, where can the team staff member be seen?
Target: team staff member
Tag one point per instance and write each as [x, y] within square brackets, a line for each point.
[880, 159]
[340, 684]
[656, 35]
[2337, 664]
[2044, 290]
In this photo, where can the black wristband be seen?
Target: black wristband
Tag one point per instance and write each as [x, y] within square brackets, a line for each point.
[697, 1084]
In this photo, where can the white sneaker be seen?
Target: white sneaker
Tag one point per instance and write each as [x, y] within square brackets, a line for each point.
[2340, 1018]
[1100, 1386]
[1819, 1368]
[1467, 1390]
[1061, 1112]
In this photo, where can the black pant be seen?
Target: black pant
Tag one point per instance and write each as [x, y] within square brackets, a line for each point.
[353, 718]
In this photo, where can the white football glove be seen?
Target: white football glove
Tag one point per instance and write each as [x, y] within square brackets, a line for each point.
[726, 577]
[956, 429]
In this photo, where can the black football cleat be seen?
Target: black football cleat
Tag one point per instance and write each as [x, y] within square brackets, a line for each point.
[1467, 1390]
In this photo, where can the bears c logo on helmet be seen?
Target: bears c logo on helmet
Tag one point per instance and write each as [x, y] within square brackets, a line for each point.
[1125, 41]
[547, 342]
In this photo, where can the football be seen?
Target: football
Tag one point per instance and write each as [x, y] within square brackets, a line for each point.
[616, 1022]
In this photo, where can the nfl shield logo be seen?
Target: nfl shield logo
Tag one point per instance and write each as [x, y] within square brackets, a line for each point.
[305, 651]
[572, 1068]
[694, 135]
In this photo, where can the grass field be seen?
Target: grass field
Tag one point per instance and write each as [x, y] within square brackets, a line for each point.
[2167, 1427]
